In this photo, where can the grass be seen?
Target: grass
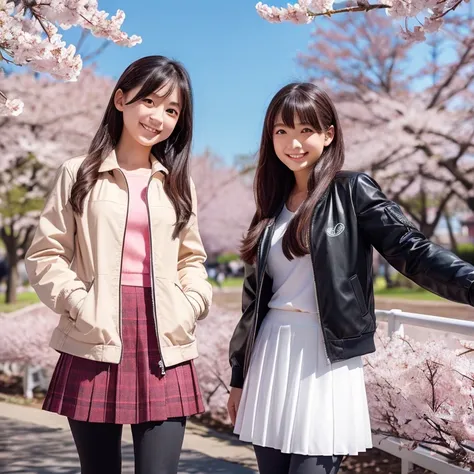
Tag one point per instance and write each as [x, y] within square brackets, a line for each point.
[418, 293]
[232, 282]
[408, 294]
[23, 299]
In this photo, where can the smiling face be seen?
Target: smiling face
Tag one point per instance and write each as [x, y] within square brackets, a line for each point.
[299, 147]
[151, 119]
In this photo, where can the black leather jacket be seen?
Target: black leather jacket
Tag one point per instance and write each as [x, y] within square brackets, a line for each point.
[351, 217]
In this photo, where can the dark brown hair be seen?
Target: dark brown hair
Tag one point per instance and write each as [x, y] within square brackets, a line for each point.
[274, 181]
[151, 73]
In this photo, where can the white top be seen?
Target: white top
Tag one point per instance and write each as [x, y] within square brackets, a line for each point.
[293, 289]
[294, 400]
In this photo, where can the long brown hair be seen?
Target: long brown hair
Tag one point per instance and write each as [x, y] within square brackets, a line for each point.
[274, 181]
[151, 73]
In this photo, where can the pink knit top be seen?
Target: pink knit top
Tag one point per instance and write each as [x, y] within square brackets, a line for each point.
[136, 249]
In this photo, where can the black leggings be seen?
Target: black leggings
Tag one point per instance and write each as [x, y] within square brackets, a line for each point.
[156, 445]
[272, 461]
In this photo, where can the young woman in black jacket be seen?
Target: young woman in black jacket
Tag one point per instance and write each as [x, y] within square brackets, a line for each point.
[298, 390]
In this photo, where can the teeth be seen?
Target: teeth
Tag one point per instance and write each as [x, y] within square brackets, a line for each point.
[149, 129]
[296, 156]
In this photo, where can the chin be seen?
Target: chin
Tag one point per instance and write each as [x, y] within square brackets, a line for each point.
[147, 142]
[298, 166]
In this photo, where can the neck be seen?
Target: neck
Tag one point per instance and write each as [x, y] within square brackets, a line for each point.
[301, 181]
[130, 154]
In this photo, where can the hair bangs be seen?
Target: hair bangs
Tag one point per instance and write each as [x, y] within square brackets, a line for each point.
[302, 107]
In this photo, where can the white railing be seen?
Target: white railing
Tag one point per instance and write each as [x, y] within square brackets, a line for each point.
[397, 320]
[33, 376]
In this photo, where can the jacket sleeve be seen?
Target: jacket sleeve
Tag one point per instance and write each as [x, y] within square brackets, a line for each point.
[429, 265]
[48, 260]
[191, 271]
[238, 343]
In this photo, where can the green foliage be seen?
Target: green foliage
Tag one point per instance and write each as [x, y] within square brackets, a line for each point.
[23, 299]
[225, 258]
[466, 252]
[15, 195]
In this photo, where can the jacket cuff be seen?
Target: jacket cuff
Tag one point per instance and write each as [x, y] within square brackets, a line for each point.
[74, 302]
[237, 379]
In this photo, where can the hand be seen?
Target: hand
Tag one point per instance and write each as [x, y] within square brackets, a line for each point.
[233, 403]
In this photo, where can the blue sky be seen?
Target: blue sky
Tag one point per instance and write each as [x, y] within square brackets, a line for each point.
[236, 60]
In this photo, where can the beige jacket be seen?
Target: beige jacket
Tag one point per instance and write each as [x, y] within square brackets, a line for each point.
[74, 265]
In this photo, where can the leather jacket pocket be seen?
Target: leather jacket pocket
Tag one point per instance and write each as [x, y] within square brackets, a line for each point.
[358, 293]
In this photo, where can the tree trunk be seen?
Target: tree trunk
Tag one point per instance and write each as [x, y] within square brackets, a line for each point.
[12, 281]
[427, 230]
[452, 237]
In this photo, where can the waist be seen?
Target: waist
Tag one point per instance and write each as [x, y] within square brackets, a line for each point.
[136, 279]
[282, 316]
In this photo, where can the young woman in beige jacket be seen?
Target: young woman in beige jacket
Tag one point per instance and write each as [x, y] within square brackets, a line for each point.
[118, 255]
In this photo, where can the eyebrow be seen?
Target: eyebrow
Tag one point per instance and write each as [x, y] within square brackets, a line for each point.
[176, 104]
[296, 124]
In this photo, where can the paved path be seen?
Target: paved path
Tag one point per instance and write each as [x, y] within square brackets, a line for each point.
[36, 442]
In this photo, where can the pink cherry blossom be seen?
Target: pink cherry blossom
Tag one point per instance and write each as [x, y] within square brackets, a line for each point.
[218, 183]
[12, 107]
[306, 10]
[29, 36]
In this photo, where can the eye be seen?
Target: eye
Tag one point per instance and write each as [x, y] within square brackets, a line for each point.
[280, 131]
[172, 112]
[307, 130]
[148, 101]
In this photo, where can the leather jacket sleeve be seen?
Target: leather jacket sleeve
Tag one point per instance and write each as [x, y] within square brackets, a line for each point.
[238, 343]
[384, 225]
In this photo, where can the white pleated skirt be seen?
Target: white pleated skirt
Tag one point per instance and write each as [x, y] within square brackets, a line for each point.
[294, 400]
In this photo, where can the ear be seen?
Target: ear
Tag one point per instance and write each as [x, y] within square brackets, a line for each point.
[119, 100]
[329, 135]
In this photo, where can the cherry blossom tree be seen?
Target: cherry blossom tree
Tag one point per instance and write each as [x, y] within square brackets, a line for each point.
[410, 125]
[433, 12]
[212, 365]
[423, 393]
[25, 336]
[59, 123]
[225, 201]
[29, 35]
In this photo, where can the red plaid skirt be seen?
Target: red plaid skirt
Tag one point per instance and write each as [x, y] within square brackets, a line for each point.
[132, 391]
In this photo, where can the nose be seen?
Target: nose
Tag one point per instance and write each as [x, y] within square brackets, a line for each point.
[157, 117]
[296, 144]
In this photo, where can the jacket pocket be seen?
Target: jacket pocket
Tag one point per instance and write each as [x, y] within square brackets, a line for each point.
[358, 293]
[187, 301]
[89, 288]
[397, 215]
[95, 322]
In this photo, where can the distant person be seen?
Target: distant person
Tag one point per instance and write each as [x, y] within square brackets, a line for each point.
[220, 278]
[298, 392]
[118, 255]
[212, 273]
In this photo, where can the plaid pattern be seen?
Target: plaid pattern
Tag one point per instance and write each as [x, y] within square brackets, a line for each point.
[132, 391]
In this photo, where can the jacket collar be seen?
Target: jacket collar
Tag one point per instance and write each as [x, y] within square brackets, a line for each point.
[110, 163]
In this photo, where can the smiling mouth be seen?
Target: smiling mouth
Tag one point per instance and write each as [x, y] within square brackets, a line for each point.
[150, 129]
[296, 156]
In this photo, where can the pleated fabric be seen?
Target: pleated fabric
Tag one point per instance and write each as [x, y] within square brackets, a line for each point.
[133, 391]
[294, 400]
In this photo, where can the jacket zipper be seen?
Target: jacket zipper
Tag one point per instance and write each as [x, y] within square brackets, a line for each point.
[161, 364]
[121, 262]
[316, 292]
